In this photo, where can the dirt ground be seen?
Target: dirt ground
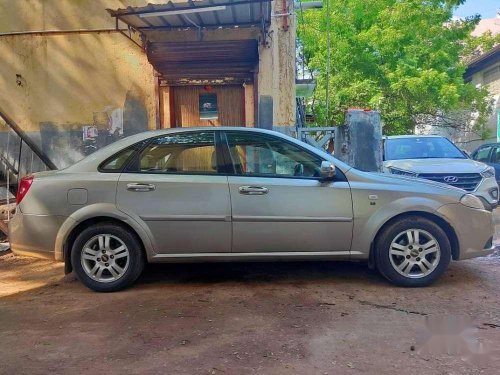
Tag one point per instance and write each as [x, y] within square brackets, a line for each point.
[254, 318]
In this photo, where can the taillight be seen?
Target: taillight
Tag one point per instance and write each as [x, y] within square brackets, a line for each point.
[24, 186]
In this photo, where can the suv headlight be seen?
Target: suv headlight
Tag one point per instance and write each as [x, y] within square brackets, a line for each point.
[472, 201]
[402, 172]
[488, 172]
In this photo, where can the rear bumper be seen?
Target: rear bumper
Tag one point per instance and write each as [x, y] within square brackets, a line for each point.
[474, 229]
[34, 235]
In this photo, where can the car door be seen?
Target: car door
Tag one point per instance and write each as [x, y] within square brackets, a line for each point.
[279, 203]
[495, 161]
[483, 154]
[175, 186]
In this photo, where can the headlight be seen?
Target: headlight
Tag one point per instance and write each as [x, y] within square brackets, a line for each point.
[488, 172]
[401, 172]
[472, 201]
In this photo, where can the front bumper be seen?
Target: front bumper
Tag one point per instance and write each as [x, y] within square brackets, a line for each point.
[474, 229]
[487, 191]
[34, 235]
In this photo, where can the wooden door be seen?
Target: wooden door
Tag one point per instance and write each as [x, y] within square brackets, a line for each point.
[230, 106]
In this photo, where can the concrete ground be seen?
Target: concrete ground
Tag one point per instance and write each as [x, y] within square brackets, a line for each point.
[254, 318]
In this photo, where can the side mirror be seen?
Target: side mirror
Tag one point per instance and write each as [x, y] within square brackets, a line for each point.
[327, 171]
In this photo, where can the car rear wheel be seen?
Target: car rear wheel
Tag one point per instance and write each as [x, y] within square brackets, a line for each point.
[107, 257]
[412, 252]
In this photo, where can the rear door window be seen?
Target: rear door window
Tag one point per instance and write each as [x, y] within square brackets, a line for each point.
[188, 153]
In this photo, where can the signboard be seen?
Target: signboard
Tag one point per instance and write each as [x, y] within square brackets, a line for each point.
[208, 107]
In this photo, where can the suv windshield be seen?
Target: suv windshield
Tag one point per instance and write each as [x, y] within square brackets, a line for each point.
[421, 148]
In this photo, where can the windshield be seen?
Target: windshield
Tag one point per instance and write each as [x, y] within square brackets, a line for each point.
[421, 148]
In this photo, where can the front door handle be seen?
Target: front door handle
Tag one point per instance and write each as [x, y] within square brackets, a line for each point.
[253, 190]
[135, 186]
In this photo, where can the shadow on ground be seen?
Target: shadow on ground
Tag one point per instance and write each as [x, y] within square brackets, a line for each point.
[258, 272]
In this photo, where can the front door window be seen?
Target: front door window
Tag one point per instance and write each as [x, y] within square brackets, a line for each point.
[267, 156]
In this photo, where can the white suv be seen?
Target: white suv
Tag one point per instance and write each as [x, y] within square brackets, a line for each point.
[438, 159]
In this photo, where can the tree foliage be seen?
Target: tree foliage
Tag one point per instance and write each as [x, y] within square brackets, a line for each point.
[403, 58]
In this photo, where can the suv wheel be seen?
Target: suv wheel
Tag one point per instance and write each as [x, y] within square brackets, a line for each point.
[413, 252]
[107, 257]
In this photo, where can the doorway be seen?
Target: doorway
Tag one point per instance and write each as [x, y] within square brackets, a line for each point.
[189, 106]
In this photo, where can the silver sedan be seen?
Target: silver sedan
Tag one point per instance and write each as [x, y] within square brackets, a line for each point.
[233, 194]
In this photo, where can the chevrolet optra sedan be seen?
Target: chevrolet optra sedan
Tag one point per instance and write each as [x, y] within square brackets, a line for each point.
[237, 194]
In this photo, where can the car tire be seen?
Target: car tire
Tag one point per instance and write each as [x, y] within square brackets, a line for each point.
[412, 252]
[107, 257]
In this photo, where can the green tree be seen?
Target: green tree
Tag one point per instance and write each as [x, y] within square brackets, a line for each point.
[401, 57]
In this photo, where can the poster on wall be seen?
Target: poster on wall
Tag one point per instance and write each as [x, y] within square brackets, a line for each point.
[208, 107]
[89, 133]
[115, 122]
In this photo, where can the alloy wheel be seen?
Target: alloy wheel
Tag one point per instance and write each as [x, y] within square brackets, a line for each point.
[414, 253]
[105, 258]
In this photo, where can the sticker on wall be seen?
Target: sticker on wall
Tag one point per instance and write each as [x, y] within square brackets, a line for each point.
[208, 107]
[89, 133]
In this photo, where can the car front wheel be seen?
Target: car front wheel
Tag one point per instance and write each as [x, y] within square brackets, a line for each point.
[107, 257]
[412, 252]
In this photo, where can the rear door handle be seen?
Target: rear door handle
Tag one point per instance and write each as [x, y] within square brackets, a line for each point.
[135, 186]
[253, 190]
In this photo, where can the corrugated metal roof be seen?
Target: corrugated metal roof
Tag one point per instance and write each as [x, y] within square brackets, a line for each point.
[196, 14]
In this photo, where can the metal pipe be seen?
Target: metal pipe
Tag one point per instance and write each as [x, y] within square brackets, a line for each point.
[8, 195]
[61, 32]
[7, 192]
[19, 160]
[6, 155]
[327, 61]
[24, 137]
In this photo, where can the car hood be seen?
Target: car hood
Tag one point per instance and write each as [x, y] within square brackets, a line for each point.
[418, 184]
[407, 185]
[437, 165]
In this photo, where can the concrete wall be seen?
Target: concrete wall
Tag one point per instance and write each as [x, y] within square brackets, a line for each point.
[279, 81]
[55, 85]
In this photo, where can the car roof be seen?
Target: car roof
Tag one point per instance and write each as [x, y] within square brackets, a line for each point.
[202, 128]
[414, 136]
[154, 133]
[489, 144]
[90, 162]
[132, 139]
